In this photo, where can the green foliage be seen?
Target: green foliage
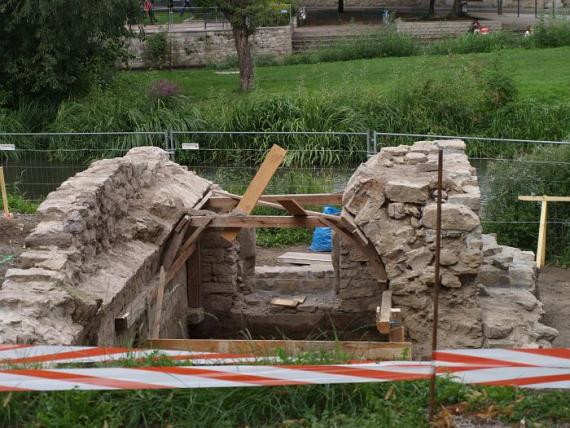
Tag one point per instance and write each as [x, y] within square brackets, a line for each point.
[552, 33]
[50, 48]
[543, 172]
[159, 49]
[19, 204]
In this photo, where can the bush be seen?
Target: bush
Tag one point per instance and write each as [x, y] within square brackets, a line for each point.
[552, 33]
[159, 50]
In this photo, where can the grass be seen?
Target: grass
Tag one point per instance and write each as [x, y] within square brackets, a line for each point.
[19, 204]
[527, 66]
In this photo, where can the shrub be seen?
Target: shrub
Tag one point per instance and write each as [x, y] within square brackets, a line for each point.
[159, 50]
[552, 33]
[162, 90]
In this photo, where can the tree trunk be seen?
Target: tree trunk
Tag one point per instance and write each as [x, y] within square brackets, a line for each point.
[246, 68]
[431, 12]
[340, 6]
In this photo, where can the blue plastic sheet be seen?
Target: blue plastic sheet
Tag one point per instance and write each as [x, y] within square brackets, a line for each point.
[322, 236]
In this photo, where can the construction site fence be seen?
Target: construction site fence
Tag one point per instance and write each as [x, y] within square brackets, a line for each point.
[37, 163]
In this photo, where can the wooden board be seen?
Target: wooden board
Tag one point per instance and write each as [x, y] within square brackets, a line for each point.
[4, 195]
[384, 315]
[293, 207]
[175, 242]
[289, 302]
[541, 247]
[545, 198]
[193, 278]
[305, 258]
[257, 186]
[355, 349]
[259, 221]
[186, 251]
[155, 330]
[317, 199]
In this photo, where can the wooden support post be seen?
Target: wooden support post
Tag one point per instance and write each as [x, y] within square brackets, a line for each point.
[541, 247]
[4, 194]
[155, 330]
[193, 277]
[257, 186]
[384, 313]
[186, 251]
[293, 207]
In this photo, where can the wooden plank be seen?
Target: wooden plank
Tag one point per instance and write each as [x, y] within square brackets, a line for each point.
[354, 349]
[293, 207]
[155, 330]
[317, 199]
[384, 314]
[175, 242]
[541, 248]
[185, 252]
[545, 198]
[259, 221]
[305, 258]
[204, 200]
[289, 302]
[397, 334]
[4, 191]
[193, 278]
[257, 186]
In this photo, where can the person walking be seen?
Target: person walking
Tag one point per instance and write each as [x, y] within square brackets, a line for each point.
[187, 4]
[148, 8]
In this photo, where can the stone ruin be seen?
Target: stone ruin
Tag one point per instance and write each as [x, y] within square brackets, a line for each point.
[95, 255]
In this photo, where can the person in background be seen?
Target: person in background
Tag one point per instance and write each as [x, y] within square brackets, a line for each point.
[148, 9]
[475, 27]
[187, 3]
[528, 31]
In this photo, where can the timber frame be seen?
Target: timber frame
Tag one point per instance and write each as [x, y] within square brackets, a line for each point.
[230, 213]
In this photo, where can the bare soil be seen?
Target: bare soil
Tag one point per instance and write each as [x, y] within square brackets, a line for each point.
[12, 234]
[554, 289]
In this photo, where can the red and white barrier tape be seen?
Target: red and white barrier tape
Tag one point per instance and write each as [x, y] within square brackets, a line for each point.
[544, 368]
[47, 355]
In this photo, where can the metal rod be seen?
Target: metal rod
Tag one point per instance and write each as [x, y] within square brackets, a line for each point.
[432, 391]
[510, 140]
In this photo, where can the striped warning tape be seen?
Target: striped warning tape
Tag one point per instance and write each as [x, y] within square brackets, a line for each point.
[542, 369]
[47, 355]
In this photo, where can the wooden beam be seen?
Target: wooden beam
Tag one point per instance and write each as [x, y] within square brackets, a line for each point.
[384, 313]
[4, 192]
[257, 186]
[155, 330]
[354, 349]
[175, 242]
[317, 199]
[541, 247]
[293, 207]
[186, 251]
[259, 221]
[545, 198]
[193, 278]
[200, 204]
[397, 334]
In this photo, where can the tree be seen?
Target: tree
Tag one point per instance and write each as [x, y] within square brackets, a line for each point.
[244, 16]
[49, 48]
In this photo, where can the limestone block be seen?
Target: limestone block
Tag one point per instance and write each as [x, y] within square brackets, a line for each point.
[453, 217]
[448, 258]
[420, 258]
[396, 210]
[414, 158]
[407, 190]
[396, 151]
[471, 200]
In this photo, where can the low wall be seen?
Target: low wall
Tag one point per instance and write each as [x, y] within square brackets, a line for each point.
[441, 29]
[197, 48]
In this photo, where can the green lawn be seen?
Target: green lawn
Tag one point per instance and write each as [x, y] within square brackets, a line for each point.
[543, 73]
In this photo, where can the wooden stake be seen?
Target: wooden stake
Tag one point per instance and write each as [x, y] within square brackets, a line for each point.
[432, 391]
[193, 278]
[274, 158]
[541, 248]
[155, 330]
[4, 194]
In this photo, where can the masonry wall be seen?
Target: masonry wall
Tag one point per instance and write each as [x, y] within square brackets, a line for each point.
[197, 48]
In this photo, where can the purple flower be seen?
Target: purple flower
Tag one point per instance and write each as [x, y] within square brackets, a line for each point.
[163, 89]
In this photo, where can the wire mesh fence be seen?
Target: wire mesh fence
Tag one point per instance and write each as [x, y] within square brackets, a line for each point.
[317, 162]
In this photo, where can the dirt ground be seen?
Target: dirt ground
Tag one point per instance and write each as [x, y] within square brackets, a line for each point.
[554, 282]
[12, 235]
[554, 288]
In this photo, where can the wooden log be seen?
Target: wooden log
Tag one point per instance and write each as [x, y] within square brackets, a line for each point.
[257, 186]
[155, 330]
[354, 349]
[293, 207]
[384, 315]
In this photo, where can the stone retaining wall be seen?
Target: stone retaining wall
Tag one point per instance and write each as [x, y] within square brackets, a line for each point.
[197, 48]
